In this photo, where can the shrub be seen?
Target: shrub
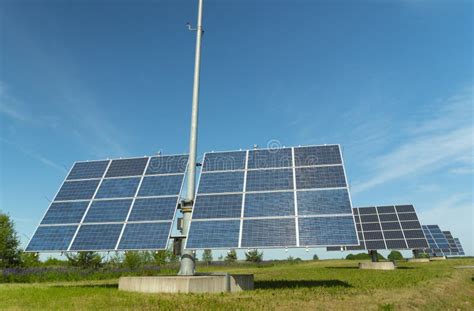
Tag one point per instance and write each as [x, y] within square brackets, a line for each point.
[207, 256]
[231, 257]
[85, 260]
[315, 257]
[254, 256]
[395, 255]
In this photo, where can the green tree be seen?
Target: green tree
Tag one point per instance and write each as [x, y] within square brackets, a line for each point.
[395, 255]
[10, 254]
[207, 256]
[254, 256]
[133, 260]
[231, 257]
[315, 257]
[85, 260]
[30, 260]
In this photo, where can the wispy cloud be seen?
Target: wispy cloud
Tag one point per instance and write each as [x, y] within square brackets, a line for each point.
[429, 146]
[34, 155]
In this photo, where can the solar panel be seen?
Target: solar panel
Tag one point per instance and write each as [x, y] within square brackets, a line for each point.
[123, 204]
[272, 198]
[387, 227]
[459, 246]
[438, 245]
[453, 248]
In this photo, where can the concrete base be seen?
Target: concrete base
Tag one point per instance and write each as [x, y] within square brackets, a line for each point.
[210, 283]
[437, 258]
[382, 265]
[418, 260]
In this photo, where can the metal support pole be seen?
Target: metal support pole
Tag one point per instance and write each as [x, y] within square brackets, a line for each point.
[187, 258]
[373, 255]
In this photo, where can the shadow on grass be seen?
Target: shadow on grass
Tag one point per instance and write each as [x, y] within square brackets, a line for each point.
[89, 286]
[299, 284]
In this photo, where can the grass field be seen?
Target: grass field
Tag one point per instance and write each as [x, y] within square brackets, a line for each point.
[313, 285]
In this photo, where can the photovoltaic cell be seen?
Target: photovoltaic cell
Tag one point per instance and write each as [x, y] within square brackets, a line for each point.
[127, 167]
[265, 180]
[317, 155]
[269, 204]
[97, 237]
[145, 236]
[320, 177]
[270, 158]
[327, 231]
[224, 161]
[51, 238]
[221, 182]
[118, 188]
[153, 209]
[167, 165]
[108, 211]
[65, 213]
[77, 190]
[214, 234]
[278, 189]
[88, 170]
[218, 206]
[323, 202]
[269, 232]
[161, 185]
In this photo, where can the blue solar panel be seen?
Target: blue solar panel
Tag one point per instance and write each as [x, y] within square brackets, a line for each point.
[160, 185]
[459, 246]
[97, 237]
[269, 232]
[108, 211]
[51, 238]
[217, 206]
[405, 209]
[77, 190]
[224, 161]
[118, 188]
[317, 155]
[327, 231]
[323, 202]
[270, 158]
[320, 177]
[153, 209]
[269, 204]
[266, 180]
[167, 164]
[398, 244]
[386, 210]
[127, 167]
[65, 213]
[388, 217]
[213, 234]
[137, 236]
[221, 182]
[86, 170]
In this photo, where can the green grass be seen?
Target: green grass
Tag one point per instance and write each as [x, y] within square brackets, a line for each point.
[314, 285]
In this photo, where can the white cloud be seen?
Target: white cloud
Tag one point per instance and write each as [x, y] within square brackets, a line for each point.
[444, 140]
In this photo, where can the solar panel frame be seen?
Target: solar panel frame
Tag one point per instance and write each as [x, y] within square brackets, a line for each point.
[244, 167]
[145, 173]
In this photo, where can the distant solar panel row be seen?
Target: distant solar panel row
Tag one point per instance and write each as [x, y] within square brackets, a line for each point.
[387, 227]
[264, 198]
[121, 204]
[459, 246]
[438, 245]
[453, 249]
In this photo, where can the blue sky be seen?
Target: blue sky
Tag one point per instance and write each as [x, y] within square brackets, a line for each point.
[391, 81]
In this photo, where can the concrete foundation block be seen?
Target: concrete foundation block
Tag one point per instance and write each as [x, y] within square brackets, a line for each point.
[382, 265]
[215, 283]
[418, 260]
[437, 258]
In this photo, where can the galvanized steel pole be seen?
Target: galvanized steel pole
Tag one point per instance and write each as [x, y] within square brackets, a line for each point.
[187, 258]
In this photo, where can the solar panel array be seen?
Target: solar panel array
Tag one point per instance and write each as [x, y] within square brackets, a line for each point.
[387, 227]
[453, 248]
[459, 246]
[265, 198]
[122, 204]
[437, 243]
